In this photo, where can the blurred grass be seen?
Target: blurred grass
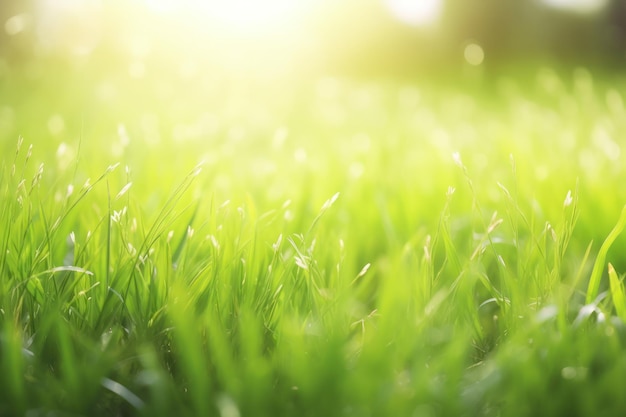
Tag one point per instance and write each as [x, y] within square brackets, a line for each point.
[336, 247]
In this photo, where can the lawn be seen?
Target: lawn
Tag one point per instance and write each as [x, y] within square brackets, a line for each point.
[340, 248]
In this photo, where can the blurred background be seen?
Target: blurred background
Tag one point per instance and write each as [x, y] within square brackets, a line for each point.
[279, 38]
[191, 70]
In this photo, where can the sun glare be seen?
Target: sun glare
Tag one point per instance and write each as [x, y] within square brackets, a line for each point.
[415, 12]
[237, 17]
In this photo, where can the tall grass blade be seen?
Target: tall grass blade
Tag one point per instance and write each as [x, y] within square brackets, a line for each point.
[617, 293]
[598, 266]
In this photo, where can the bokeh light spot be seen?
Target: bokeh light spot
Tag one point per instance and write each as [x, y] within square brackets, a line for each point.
[474, 54]
[56, 124]
[15, 24]
[415, 12]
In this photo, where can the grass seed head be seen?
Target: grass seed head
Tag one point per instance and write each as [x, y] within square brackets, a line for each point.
[123, 190]
[330, 202]
[276, 245]
[568, 199]
[20, 141]
[456, 157]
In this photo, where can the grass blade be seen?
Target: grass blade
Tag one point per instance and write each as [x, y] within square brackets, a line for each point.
[123, 392]
[598, 266]
[617, 293]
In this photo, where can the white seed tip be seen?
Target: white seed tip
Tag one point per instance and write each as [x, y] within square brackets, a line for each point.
[568, 199]
[456, 157]
[330, 201]
[123, 190]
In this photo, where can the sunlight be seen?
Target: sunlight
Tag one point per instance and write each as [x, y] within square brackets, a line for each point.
[236, 17]
[415, 12]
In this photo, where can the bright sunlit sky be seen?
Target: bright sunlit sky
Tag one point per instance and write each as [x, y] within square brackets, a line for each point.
[244, 17]
[234, 31]
[256, 17]
[253, 19]
[252, 15]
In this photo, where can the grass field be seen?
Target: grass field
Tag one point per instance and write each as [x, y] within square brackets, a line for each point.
[344, 248]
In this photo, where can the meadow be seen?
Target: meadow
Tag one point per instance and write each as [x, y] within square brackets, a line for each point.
[343, 248]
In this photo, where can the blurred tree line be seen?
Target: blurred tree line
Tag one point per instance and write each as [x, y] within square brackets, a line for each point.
[367, 39]
[511, 32]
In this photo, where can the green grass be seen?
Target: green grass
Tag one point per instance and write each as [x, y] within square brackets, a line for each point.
[343, 249]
